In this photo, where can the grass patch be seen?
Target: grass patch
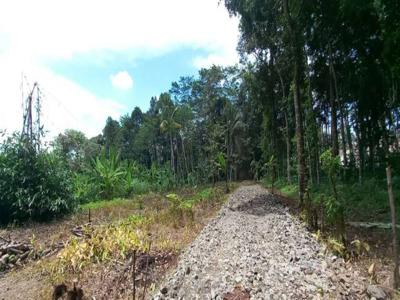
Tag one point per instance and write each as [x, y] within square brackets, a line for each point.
[108, 204]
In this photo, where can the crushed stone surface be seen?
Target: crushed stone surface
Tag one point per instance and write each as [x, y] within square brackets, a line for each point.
[255, 244]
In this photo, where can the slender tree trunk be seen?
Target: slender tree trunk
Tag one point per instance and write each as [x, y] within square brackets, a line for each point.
[172, 153]
[334, 98]
[392, 201]
[318, 151]
[334, 133]
[287, 137]
[394, 233]
[184, 156]
[317, 168]
[310, 169]
[296, 52]
[299, 135]
[340, 222]
[301, 165]
[342, 132]
[191, 157]
[231, 168]
[360, 158]
[349, 140]
[327, 143]
[227, 158]
[371, 146]
[288, 170]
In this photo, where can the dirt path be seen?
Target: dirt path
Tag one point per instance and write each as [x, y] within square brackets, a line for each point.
[255, 244]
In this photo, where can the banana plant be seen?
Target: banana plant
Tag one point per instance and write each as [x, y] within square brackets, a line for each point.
[109, 174]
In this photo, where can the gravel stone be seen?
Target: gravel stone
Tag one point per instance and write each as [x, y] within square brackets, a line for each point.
[254, 242]
[376, 292]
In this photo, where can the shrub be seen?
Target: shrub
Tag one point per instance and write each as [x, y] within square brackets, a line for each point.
[331, 166]
[160, 178]
[33, 184]
[85, 188]
[140, 187]
[103, 243]
[180, 208]
[334, 207]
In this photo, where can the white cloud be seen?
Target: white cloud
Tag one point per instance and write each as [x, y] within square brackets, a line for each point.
[65, 104]
[31, 31]
[122, 80]
[63, 28]
[223, 59]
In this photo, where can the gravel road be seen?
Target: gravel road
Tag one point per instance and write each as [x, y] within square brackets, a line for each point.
[257, 246]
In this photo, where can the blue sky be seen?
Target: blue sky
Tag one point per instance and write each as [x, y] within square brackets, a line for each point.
[98, 58]
[150, 75]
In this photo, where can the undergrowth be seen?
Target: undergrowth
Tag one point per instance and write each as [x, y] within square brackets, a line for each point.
[168, 222]
[364, 202]
[103, 243]
[353, 250]
[107, 204]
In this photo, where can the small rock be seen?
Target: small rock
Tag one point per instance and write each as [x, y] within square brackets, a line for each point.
[164, 290]
[376, 292]
[238, 279]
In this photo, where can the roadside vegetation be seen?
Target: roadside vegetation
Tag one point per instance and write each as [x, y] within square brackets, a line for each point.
[99, 254]
[365, 202]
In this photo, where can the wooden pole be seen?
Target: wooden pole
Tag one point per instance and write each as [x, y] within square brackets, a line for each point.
[134, 274]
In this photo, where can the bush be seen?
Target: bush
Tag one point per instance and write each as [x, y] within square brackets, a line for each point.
[140, 187]
[180, 208]
[160, 178]
[33, 184]
[85, 188]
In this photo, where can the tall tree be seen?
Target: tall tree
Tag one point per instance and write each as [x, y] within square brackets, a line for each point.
[111, 134]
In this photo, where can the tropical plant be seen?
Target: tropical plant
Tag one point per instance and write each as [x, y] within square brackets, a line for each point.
[109, 174]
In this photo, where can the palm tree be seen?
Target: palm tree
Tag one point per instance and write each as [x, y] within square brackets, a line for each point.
[108, 173]
[168, 124]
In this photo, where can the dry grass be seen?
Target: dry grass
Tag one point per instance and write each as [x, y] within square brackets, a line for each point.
[117, 228]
